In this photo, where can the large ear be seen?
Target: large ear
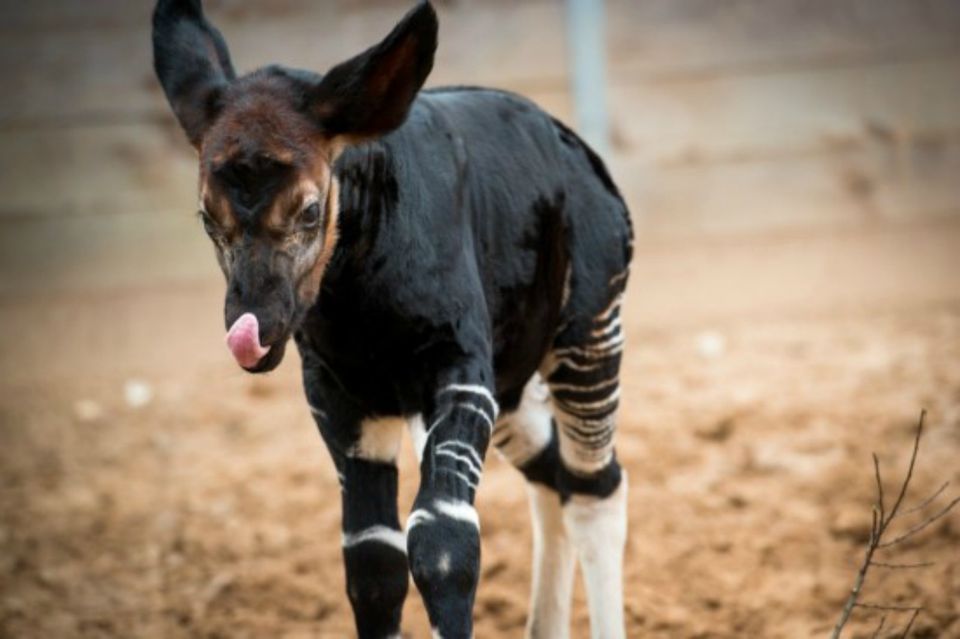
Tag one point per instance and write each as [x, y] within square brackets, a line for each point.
[192, 63]
[370, 94]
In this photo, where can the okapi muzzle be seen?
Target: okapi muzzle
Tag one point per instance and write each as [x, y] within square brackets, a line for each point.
[260, 306]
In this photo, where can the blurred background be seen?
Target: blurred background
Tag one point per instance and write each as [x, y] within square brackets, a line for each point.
[793, 172]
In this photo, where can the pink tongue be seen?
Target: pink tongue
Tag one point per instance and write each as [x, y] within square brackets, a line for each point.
[243, 340]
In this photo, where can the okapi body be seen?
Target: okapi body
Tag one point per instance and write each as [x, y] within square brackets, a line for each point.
[450, 261]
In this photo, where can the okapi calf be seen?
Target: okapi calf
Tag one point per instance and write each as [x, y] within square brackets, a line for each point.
[452, 258]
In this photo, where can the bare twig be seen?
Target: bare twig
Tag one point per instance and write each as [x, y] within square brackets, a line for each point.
[929, 500]
[876, 633]
[881, 520]
[876, 473]
[913, 618]
[923, 524]
[858, 582]
[913, 462]
[922, 564]
[893, 607]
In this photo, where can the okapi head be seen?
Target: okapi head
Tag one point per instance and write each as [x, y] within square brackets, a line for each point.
[267, 142]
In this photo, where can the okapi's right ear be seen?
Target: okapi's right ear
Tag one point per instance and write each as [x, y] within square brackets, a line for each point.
[370, 94]
[192, 63]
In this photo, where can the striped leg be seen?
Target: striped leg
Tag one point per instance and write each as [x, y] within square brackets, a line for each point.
[443, 531]
[526, 437]
[374, 546]
[583, 378]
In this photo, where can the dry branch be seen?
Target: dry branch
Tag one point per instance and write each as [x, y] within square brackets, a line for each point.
[881, 522]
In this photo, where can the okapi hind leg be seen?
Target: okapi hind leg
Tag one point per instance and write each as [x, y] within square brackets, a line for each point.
[582, 372]
[597, 527]
[527, 439]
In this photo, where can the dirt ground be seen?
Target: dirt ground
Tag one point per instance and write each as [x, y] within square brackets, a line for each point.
[748, 420]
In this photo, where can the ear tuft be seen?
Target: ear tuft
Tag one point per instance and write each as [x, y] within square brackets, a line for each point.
[371, 94]
[192, 62]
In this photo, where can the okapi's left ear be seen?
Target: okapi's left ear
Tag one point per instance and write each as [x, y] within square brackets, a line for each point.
[192, 63]
[370, 94]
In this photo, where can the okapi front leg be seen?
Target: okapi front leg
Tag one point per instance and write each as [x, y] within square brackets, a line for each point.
[374, 548]
[443, 530]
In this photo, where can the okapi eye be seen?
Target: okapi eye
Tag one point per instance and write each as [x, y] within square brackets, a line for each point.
[310, 217]
[208, 224]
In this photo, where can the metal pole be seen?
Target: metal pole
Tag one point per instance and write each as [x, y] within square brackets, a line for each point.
[585, 30]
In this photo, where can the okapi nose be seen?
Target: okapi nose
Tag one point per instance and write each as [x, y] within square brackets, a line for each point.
[243, 340]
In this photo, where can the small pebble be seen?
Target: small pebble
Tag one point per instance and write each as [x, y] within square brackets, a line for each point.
[137, 393]
[711, 344]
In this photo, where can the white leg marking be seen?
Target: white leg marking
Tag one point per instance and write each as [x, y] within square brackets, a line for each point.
[553, 362]
[554, 561]
[622, 275]
[586, 389]
[575, 450]
[565, 295]
[597, 406]
[478, 411]
[469, 482]
[463, 405]
[598, 530]
[615, 325]
[605, 314]
[477, 390]
[586, 444]
[471, 460]
[609, 346]
[466, 448]
[444, 564]
[418, 434]
[380, 534]
[317, 411]
[417, 517]
[522, 434]
[435, 423]
[379, 439]
[459, 510]
[466, 460]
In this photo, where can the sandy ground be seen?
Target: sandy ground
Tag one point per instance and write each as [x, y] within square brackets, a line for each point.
[748, 420]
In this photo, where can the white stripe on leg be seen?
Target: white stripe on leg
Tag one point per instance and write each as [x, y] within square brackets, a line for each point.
[598, 530]
[418, 435]
[378, 533]
[553, 565]
[459, 510]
